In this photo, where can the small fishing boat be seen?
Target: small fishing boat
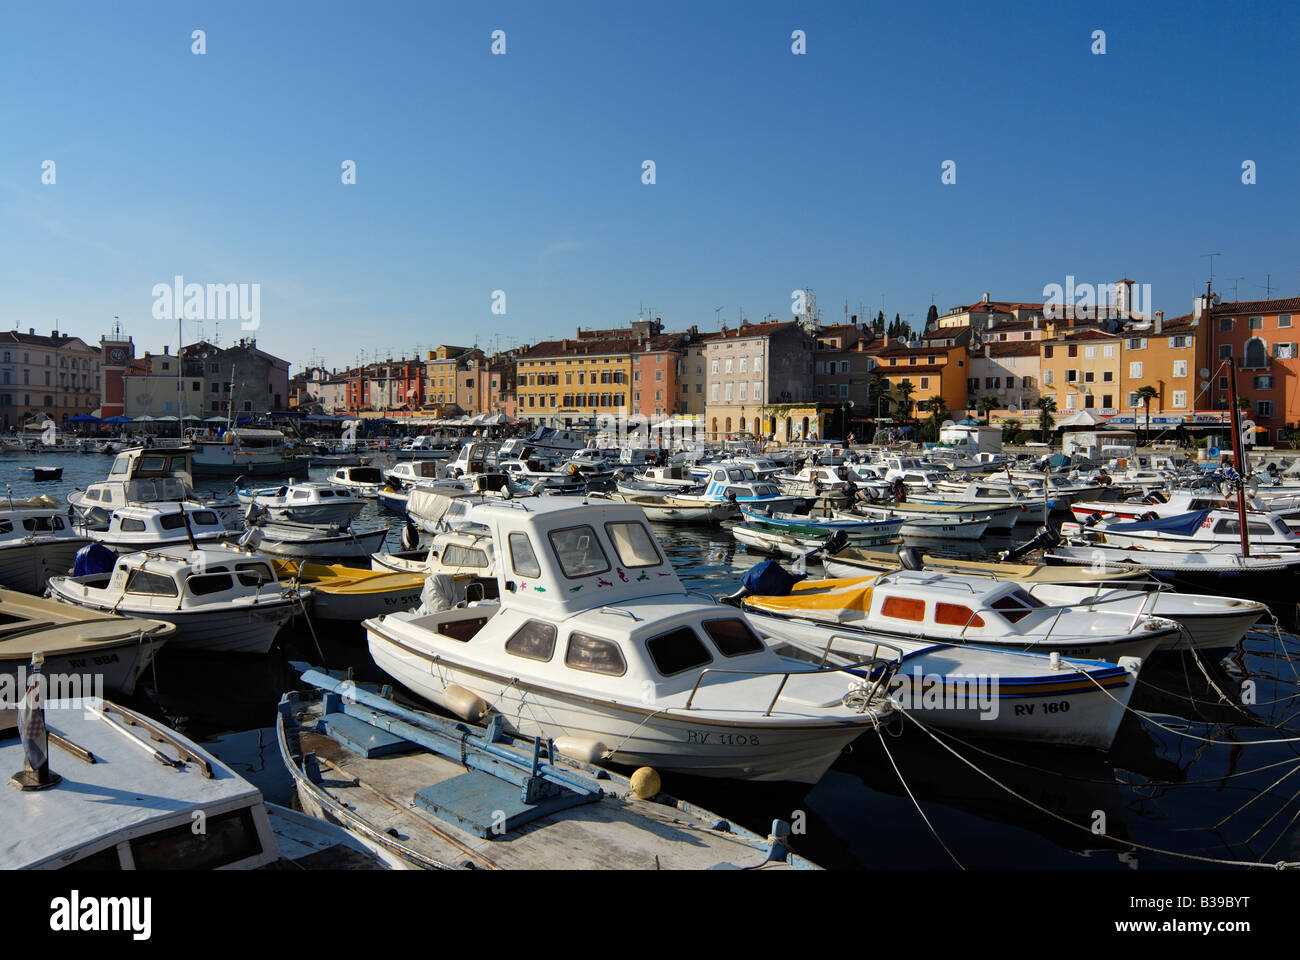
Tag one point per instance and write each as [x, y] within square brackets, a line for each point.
[942, 521]
[595, 638]
[952, 608]
[673, 508]
[799, 543]
[337, 592]
[408, 473]
[124, 792]
[308, 502]
[1217, 530]
[163, 524]
[145, 476]
[393, 498]
[362, 481]
[219, 598]
[426, 792]
[42, 474]
[859, 561]
[36, 542]
[304, 541]
[79, 645]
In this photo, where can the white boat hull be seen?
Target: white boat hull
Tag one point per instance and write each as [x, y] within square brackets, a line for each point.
[28, 567]
[668, 740]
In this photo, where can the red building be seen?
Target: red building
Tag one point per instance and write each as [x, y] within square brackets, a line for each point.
[1263, 341]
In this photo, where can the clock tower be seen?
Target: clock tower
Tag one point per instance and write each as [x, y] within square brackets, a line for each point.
[118, 352]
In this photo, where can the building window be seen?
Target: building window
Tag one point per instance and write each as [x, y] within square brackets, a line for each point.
[1180, 399]
[1256, 323]
[1108, 351]
[1225, 324]
[1264, 408]
[1180, 368]
[1089, 353]
[1264, 383]
[1256, 354]
[1225, 351]
[1284, 319]
[1178, 343]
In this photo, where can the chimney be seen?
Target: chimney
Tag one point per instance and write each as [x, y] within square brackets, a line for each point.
[1197, 306]
[988, 351]
[1160, 320]
[1035, 322]
[165, 349]
[31, 331]
[54, 334]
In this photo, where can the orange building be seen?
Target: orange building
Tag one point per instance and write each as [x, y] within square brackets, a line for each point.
[936, 366]
[1080, 369]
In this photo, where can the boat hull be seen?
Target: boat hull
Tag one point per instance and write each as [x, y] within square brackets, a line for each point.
[28, 567]
[665, 740]
[120, 664]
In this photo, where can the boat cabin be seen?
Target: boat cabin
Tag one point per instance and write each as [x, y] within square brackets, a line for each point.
[186, 578]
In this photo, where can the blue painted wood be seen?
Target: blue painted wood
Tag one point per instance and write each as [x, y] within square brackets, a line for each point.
[491, 808]
[364, 738]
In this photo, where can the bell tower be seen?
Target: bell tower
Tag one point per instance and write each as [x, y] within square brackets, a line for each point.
[118, 352]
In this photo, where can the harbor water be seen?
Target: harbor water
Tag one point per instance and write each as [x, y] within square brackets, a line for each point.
[1200, 774]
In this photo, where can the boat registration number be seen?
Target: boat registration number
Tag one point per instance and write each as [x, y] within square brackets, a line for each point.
[1027, 709]
[99, 661]
[724, 739]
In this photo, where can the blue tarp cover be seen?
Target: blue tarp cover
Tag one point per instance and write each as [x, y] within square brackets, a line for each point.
[1184, 524]
[770, 579]
[93, 558]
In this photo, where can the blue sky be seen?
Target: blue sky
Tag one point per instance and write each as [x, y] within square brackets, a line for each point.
[523, 172]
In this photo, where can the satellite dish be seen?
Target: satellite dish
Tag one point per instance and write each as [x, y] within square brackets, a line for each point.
[1205, 384]
[1205, 371]
[1217, 300]
[946, 424]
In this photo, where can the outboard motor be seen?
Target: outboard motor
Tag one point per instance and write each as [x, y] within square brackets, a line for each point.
[1092, 519]
[766, 579]
[836, 542]
[410, 536]
[910, 558]
[1149, 515]
[1046, 537]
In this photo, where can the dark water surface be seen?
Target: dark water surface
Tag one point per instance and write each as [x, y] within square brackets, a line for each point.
[1190, 777]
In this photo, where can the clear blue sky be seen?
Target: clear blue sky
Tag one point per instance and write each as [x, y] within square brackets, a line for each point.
[523, 172]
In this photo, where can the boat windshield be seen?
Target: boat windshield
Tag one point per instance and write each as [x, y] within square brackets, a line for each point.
[579, 552]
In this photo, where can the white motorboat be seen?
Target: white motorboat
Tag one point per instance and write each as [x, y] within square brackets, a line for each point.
[544, 441]
[36, 542]
[1013, 695]
[952, 608]
[361, 481]
[307, 502]
[1216, 530]
[127, 793]
[95, 653]
[143, 477]
[162, 525]
[818, 481]
[245, 452]
[926, 521]
[674, 508]
[219, 598]
[408, 473]
[595, 641]
[305, 541]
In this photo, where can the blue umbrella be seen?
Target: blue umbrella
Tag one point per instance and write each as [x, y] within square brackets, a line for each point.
[83, 418]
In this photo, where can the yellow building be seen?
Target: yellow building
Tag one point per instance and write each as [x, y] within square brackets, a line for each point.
[1080, 369]
[564, 383]
[934, 368]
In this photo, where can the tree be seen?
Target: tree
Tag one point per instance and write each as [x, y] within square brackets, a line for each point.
[1291, 434]
[880, 322]
[905, 390]
[987, 405]
[938, 410]
[1046, 407]
[1145, 395]
[877, 389]
[932, 317]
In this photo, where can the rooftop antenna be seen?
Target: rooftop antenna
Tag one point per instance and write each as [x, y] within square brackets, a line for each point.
[717, 316]
[1234, 286]
[1211, 256]
[1268, 289]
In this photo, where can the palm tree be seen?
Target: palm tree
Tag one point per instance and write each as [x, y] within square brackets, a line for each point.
[877, 389]
[1145, 395]
[938, 410]
[905, 390]
[1047, 407]
[987, 405]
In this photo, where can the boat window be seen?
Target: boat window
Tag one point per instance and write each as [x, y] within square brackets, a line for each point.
[228, 838]
[956, 615]
[209, 583]
[204, 518]
[254, 574]
[120, 465]
[594, 655]
[534, 640]
[152, 464]
[903, 608]
[524, 561]
[301, 494]
[633, 544]
[41, 524]
[677, 651]
[131, 525]
[454, 556]
[6, 526]
[1233, 526]
[733, 637]
[321, 493]
[92, 494]
[738, 491]
[579, 552]
[150, 584]
[1015, 606]
[171, 521]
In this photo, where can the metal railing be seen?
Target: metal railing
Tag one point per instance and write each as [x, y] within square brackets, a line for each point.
[883, 668]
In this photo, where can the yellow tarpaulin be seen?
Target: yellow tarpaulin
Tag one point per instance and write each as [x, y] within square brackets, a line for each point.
[842, 594]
